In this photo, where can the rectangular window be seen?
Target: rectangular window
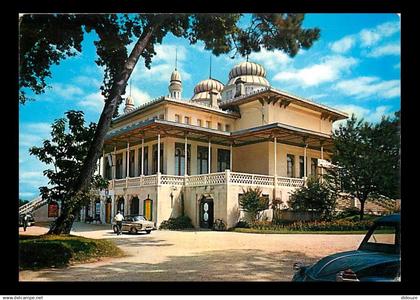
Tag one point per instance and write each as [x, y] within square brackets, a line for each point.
[187, 120]
[227, 127]
[131, 171]
[219, 126]
[177, 118]
[180, 159]
[199, 122]
[119, 164]
[202, 160]
[155, 160]
[208, 124]
[108, 166]
[301, 167]
[290, 165]
[223, 160]
[162, 116]
[314, 166]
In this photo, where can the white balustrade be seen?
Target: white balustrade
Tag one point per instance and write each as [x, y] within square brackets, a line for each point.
[210, 179]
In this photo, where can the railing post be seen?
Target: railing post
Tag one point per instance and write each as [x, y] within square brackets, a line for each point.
[227, 173]
[158, 178]
[252, 179]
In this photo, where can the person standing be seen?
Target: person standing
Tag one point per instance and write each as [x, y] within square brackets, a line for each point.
[119, 218]
[25, 221]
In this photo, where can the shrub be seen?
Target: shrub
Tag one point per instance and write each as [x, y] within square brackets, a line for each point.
[337, 225]
[315, 196]
[242, 224]
[182, 222]
[253, 202]
[60, 250]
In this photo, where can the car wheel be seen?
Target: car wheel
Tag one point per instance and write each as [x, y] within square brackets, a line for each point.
[148, 231]
[115, 228]
[133, 230]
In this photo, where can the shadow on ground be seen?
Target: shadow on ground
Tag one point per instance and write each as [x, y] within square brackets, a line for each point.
[231, 265]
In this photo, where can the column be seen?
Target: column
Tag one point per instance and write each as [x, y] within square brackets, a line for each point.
[112, 206]
[186, 156]
[231, 156]
[209, 157]
[304, 161]
[114, 163]
[158, 154]
[322, 157]
[275, 156]
[136, 162]
[142, 156]
[103, 164]
[128, 159]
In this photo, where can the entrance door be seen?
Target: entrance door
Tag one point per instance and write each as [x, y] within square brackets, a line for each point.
[148, 209]
[206, 213]
[135, 206]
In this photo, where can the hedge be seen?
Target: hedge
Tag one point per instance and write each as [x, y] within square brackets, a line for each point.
[182, 222]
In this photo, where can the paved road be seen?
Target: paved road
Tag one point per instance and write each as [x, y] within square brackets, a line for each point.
[197, 256]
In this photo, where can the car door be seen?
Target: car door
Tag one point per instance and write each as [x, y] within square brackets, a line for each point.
[126, 223]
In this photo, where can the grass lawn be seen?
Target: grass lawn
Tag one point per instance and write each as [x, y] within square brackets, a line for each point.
[44, 251]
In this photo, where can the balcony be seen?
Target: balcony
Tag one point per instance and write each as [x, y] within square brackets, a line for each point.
[226, 177]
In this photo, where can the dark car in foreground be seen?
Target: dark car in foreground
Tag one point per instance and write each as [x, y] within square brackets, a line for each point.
[377, 258]
[134, 224]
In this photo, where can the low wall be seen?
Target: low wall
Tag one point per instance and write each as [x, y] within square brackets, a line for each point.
[288, 215]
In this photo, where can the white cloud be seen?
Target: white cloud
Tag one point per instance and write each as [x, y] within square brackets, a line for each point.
[94, 102]
[66, 91]
[271, 59]
[34, 179]
[372, 36]
[163, 63]
[87, 81]
[369, 115]
[390, 49]
[27, 195]
[364, 87]
[343, 45]
[317, 96]
[329, 69]
[31, 134]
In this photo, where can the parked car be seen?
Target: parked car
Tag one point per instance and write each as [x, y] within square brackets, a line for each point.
[377, 258]
[31, 220]
[134, 224]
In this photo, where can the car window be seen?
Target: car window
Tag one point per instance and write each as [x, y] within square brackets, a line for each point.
[383, 235]
[383, 238]
[139, 218]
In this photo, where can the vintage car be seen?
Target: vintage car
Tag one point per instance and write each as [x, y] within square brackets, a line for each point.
[31, 220]
[134, 224]
[377, 258]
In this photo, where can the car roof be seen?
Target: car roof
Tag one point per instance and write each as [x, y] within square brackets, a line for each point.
[394, 218]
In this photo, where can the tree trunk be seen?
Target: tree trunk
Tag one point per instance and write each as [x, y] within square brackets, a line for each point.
[64, 222]
[362, 208]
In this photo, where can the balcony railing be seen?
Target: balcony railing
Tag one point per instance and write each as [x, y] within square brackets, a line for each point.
[208, 179]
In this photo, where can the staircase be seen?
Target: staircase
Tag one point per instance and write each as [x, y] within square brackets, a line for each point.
[385, 203]
[32, 205]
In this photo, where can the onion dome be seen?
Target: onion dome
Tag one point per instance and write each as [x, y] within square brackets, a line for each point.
[175, 85]
[203, 88]
[249, 73]
[129, 104]
[175, 76]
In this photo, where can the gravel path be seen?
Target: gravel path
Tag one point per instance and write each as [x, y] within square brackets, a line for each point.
[196, 255]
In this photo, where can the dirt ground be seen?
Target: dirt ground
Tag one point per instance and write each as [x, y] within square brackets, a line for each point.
[196, 255]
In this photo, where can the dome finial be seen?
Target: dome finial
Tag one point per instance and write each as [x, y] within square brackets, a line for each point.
[210, 68]
[176, 58]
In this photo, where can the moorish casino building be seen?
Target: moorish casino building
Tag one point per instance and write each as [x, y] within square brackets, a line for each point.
[199, 155]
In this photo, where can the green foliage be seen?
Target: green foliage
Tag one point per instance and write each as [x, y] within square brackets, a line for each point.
[336, 225]
[242, 224]
[367, 157]
[65, 152]
[253, 202]
[37, 252]
[182, 222]
[315, 196]
[22, 202]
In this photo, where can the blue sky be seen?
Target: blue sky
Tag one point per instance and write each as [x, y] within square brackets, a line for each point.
[354, 67]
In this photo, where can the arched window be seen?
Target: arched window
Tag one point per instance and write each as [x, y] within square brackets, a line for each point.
[148, 209]
[120, 205]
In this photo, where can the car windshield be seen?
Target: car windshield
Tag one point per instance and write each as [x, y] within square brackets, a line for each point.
[382, 238]
[138, 218]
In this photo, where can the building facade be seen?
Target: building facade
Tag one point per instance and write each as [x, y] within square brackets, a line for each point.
[198, 155]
